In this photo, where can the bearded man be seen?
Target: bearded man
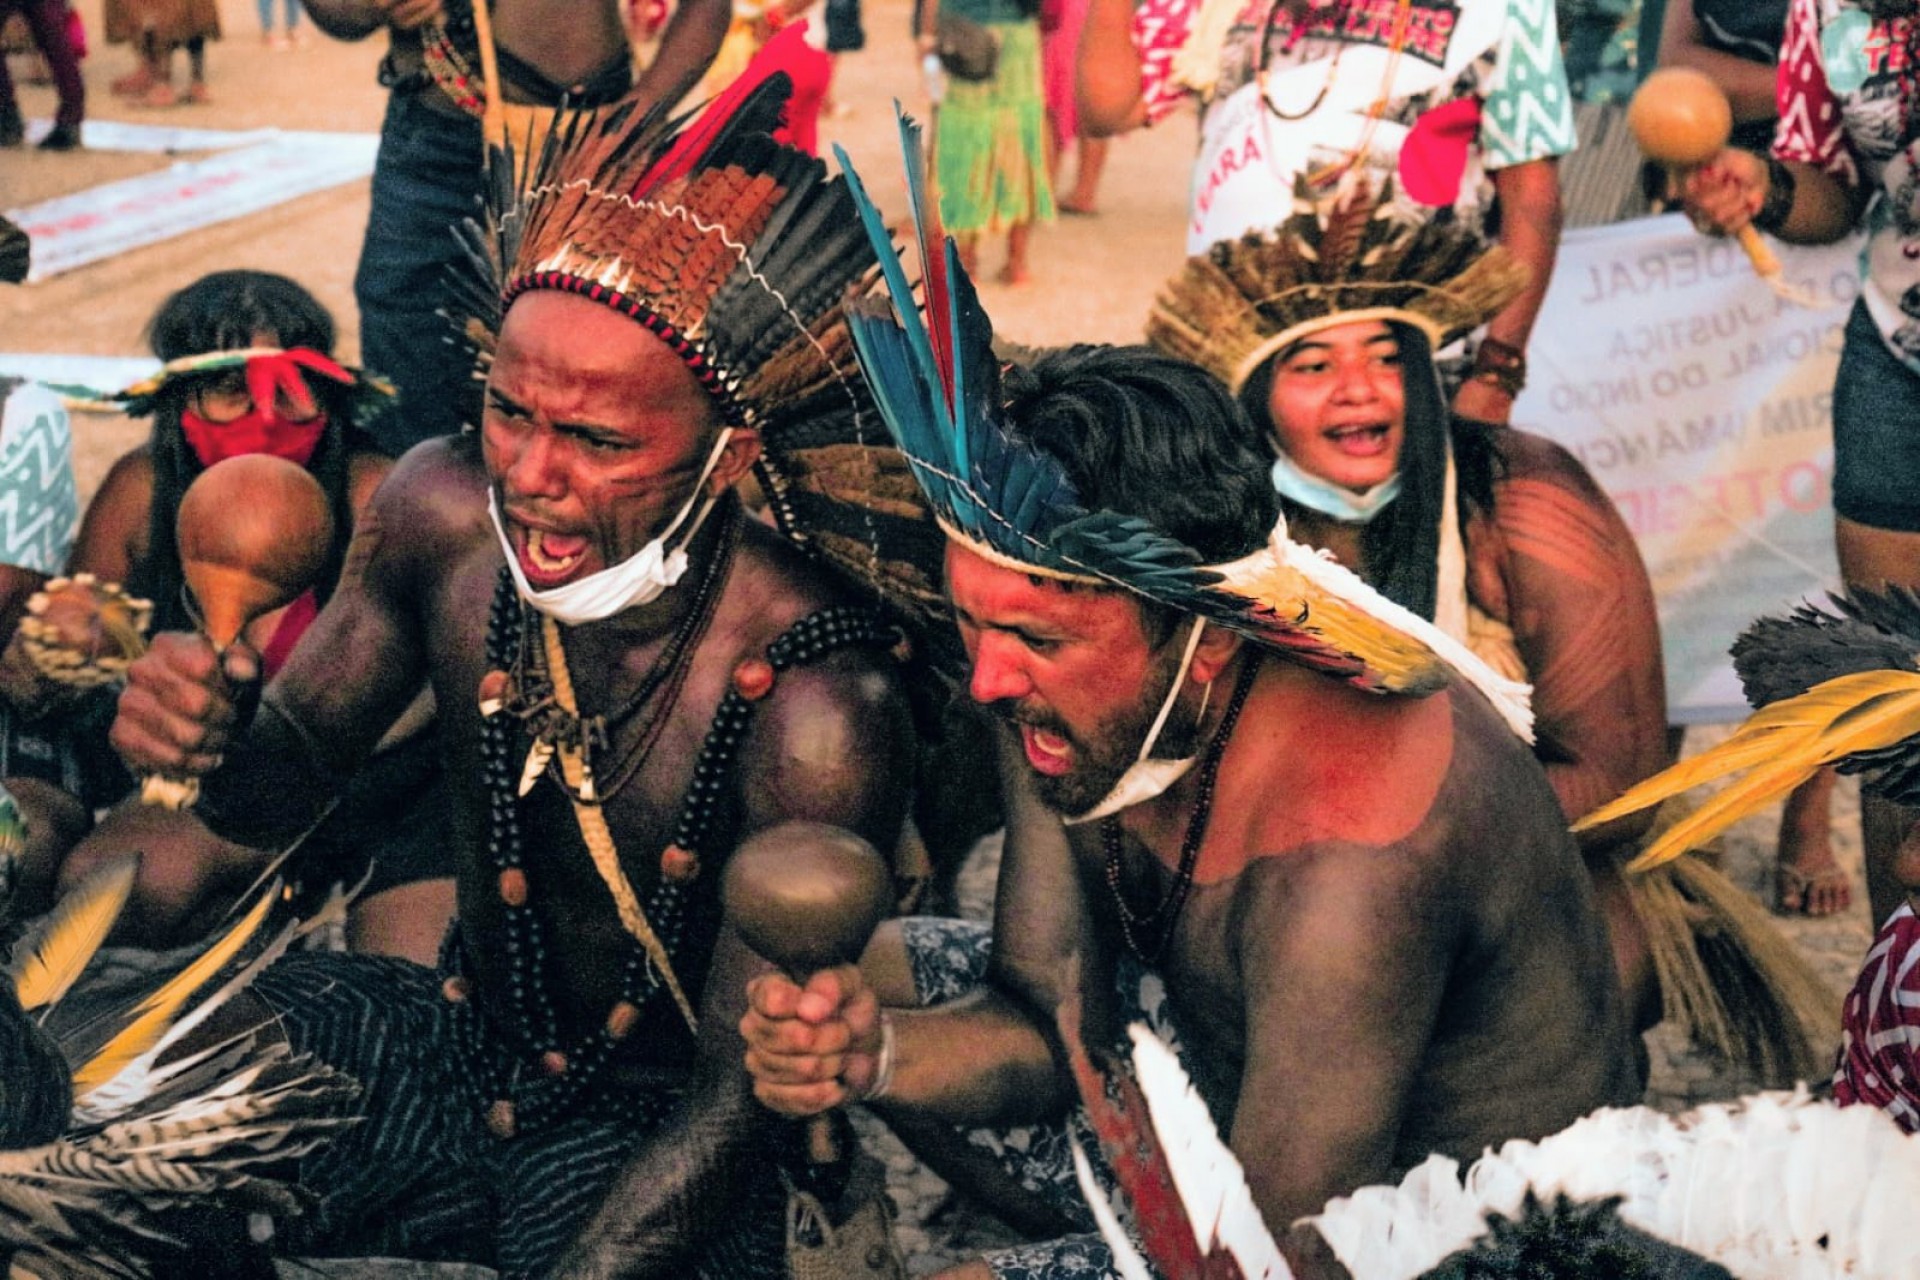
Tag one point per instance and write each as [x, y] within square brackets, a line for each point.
[632, 676]
[1363, 913]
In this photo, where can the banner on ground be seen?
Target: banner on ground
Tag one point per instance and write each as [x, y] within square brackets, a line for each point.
[101, 222]
[1700, 402]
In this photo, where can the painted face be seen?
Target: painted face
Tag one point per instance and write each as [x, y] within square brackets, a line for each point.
[1073, 671]
[1339, 406]
[594, 434]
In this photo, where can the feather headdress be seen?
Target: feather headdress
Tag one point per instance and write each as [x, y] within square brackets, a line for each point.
[1337, 260]
[265, 368]
[738, 252]
[937, 384]
[1839, 688]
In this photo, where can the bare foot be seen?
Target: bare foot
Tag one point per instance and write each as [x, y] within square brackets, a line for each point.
[197, 93]
[134, 84]
[1807, 880]
[1014, 276]
[161, 94]
[1077, 206]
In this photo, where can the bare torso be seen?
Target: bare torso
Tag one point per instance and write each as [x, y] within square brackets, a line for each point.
[1391, 947]
[444, 572]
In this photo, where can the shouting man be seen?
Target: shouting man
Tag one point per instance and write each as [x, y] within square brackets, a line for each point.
[1374, 937]
[632, 676]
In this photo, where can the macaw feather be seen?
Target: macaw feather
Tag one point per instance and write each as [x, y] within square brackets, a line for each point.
[48, 960]
[1779, 746]
[157, 1012]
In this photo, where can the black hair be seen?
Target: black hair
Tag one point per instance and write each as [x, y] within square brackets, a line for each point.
[1568, 1240]
[225, 311]
[1401, 546]
[1149, 435]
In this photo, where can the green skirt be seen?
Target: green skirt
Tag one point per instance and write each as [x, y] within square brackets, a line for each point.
[990, 151]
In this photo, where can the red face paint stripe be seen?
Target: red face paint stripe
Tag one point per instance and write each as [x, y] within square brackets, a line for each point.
[711, 378]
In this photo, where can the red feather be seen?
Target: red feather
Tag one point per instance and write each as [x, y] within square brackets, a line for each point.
[932, 238]
[781, 53]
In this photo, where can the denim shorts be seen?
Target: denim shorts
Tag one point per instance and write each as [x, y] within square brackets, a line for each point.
[1876, 431]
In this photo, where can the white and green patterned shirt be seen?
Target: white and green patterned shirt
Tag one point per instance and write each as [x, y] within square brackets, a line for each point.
[39, 509]
[1476, 86]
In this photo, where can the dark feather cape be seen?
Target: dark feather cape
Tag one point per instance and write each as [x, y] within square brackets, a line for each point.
[1780, 658]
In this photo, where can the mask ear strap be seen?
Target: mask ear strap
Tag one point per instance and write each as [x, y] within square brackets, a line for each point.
[713, 460]
[1173, 694]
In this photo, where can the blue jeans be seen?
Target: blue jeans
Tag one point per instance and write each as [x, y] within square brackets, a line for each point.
[1876, 431]
[292, 8]
[426, 182]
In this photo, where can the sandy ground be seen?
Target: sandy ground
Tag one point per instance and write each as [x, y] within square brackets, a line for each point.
[1096, 277]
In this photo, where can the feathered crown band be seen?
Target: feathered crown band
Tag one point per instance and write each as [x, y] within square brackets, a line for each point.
[1338, 261]
[936, 382]
[733, 248]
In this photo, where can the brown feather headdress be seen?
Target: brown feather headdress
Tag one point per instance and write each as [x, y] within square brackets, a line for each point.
[739, 252]
[1334, 261]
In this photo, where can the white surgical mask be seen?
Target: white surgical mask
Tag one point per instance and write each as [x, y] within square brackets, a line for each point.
[639, 579]
[1146, 778]
[1329, 499]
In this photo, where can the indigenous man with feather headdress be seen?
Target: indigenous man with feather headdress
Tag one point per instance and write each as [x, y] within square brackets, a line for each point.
[1309, 819]
[631, 674]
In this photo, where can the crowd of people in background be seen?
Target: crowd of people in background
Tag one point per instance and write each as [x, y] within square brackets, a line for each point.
[563, 658]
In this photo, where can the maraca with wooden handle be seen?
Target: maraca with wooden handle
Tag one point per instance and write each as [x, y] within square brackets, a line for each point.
[253, 533]
[1682, 119]
[807, 897]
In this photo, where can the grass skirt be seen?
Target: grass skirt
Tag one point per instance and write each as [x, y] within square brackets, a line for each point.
[990, 151]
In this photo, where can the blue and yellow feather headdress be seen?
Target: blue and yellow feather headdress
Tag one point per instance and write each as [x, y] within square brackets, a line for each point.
[936, 381]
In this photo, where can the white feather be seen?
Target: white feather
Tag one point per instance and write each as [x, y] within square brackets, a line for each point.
[1209, 1179]
[1126, 1258]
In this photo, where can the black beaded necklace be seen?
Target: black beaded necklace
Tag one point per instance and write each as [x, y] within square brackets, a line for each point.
[1166, 914]
[521, 1098]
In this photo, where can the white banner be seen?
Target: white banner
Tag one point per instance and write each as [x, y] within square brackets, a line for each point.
[161, 139]
[71, 231]
[1700, 402]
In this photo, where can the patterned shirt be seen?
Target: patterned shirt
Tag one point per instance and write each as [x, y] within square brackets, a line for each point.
[39, 508]
[1880, 1026]
[1848, 97]
[1474, 86]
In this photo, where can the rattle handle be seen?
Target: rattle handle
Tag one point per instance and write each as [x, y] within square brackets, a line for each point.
[1762, 257]
[163, 792]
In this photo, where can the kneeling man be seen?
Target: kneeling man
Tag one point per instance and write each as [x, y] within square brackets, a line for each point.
[1374, 937]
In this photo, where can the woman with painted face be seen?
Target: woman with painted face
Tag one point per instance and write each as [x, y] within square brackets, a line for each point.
[1325, 329]
[248, 369]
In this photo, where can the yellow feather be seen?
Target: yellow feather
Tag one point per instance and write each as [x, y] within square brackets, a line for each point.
[157, 1011]
[1784, 743]
[73, 933]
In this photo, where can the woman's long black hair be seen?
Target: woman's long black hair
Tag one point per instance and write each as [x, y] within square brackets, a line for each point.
[226, 311]
[1401, 545]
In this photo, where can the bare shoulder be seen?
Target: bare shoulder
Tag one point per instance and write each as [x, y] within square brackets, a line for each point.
[1530, 459]
[434, 498]
[113, 534]
[834, 739]
[366, 468]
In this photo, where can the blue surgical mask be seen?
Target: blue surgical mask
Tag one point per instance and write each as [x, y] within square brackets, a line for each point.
[1330, 499]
